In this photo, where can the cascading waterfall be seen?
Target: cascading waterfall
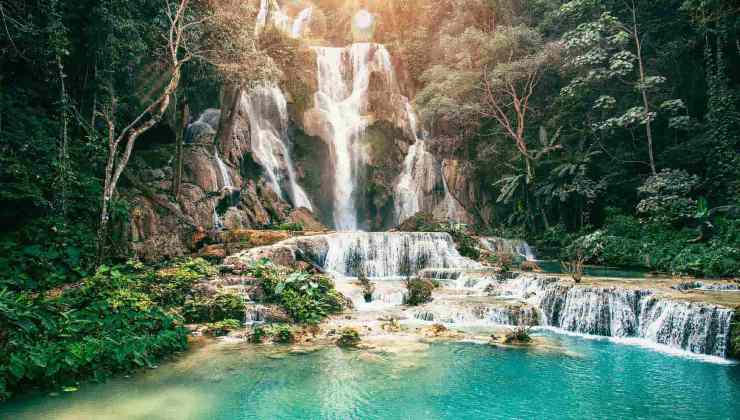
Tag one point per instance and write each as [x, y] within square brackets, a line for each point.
[300, 22]
[511, 246]
[342, 98]
[622, 312]
[226, 181]
[385, 254]
[474, 295]
[419, 177]
[268, 118]
[271, 12]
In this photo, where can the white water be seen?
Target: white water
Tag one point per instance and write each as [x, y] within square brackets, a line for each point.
[342, 99]
[226, 181]
[622, 312]
[300, 22]
[414, 191]
[512, 246]
[271, 12]
[383, 255]
[267, 111]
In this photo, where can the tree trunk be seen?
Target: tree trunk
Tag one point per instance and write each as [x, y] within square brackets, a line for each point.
[643, 90]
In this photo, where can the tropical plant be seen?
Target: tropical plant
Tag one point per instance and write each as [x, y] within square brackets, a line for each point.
[348, 337]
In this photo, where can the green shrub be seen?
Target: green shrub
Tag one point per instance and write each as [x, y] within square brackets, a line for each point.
[258, 335]
[627, 242]
[419, 291]
[307, 298]
[106, 325]
[348, 337]
[221, 306]
[283, 334]
[221, 328]
[518, 335]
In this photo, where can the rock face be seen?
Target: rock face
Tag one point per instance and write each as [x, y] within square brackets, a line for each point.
[223, 187]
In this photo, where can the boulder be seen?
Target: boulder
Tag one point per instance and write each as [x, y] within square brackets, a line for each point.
[306, 219]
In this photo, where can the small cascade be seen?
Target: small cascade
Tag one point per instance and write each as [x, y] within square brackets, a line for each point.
[271, 12]
[300, 22]
[622, 312]
[267, 111]
[510, 246]
[696, 327]
[223, 170]
[421, 174]
[386, 254]
[494, 313]
[342, 99]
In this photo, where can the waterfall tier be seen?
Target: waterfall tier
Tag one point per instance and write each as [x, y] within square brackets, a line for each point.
[341, 102]
[267, 111]
[509, 246]
[626, 312]
[390, 254]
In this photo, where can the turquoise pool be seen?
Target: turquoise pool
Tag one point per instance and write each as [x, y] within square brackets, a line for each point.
[587, 379]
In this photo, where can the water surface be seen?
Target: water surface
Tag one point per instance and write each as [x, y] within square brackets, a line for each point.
[592, 379]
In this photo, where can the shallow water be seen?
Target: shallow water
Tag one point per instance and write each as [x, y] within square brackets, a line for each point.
[554, 267]
[592, 379]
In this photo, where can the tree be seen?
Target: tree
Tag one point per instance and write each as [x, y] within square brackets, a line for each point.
[176, 55]
[600, 53]
[509, 85]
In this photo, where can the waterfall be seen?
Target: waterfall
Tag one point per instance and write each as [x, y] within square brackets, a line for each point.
[418, 179]
[342, 98]
[300, 22]
[223, 170]
[510, 246]
[261, 16]
[267, 111]
[270, 11]
[390, 254]
[623, 312]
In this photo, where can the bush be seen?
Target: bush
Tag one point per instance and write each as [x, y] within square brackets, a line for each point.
[348, 337]
[283, 334]
[627, 242]
[221, 328]
[666, 196]
[221, 306]
[108, 324]
[307, 298]
[259, 333]
[419, 291]
[518, 335]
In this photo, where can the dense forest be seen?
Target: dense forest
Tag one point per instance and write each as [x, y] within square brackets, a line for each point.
[601, 130]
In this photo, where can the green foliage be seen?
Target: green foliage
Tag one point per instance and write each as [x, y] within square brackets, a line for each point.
[519, 335]
[307, 298]
[259, 334]
[667, 196]
[419, 291]
[201, 307]
[348, 337]
[282, 334]
[107, 324]
[628, 242]
[221, 328]
[290, 227]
